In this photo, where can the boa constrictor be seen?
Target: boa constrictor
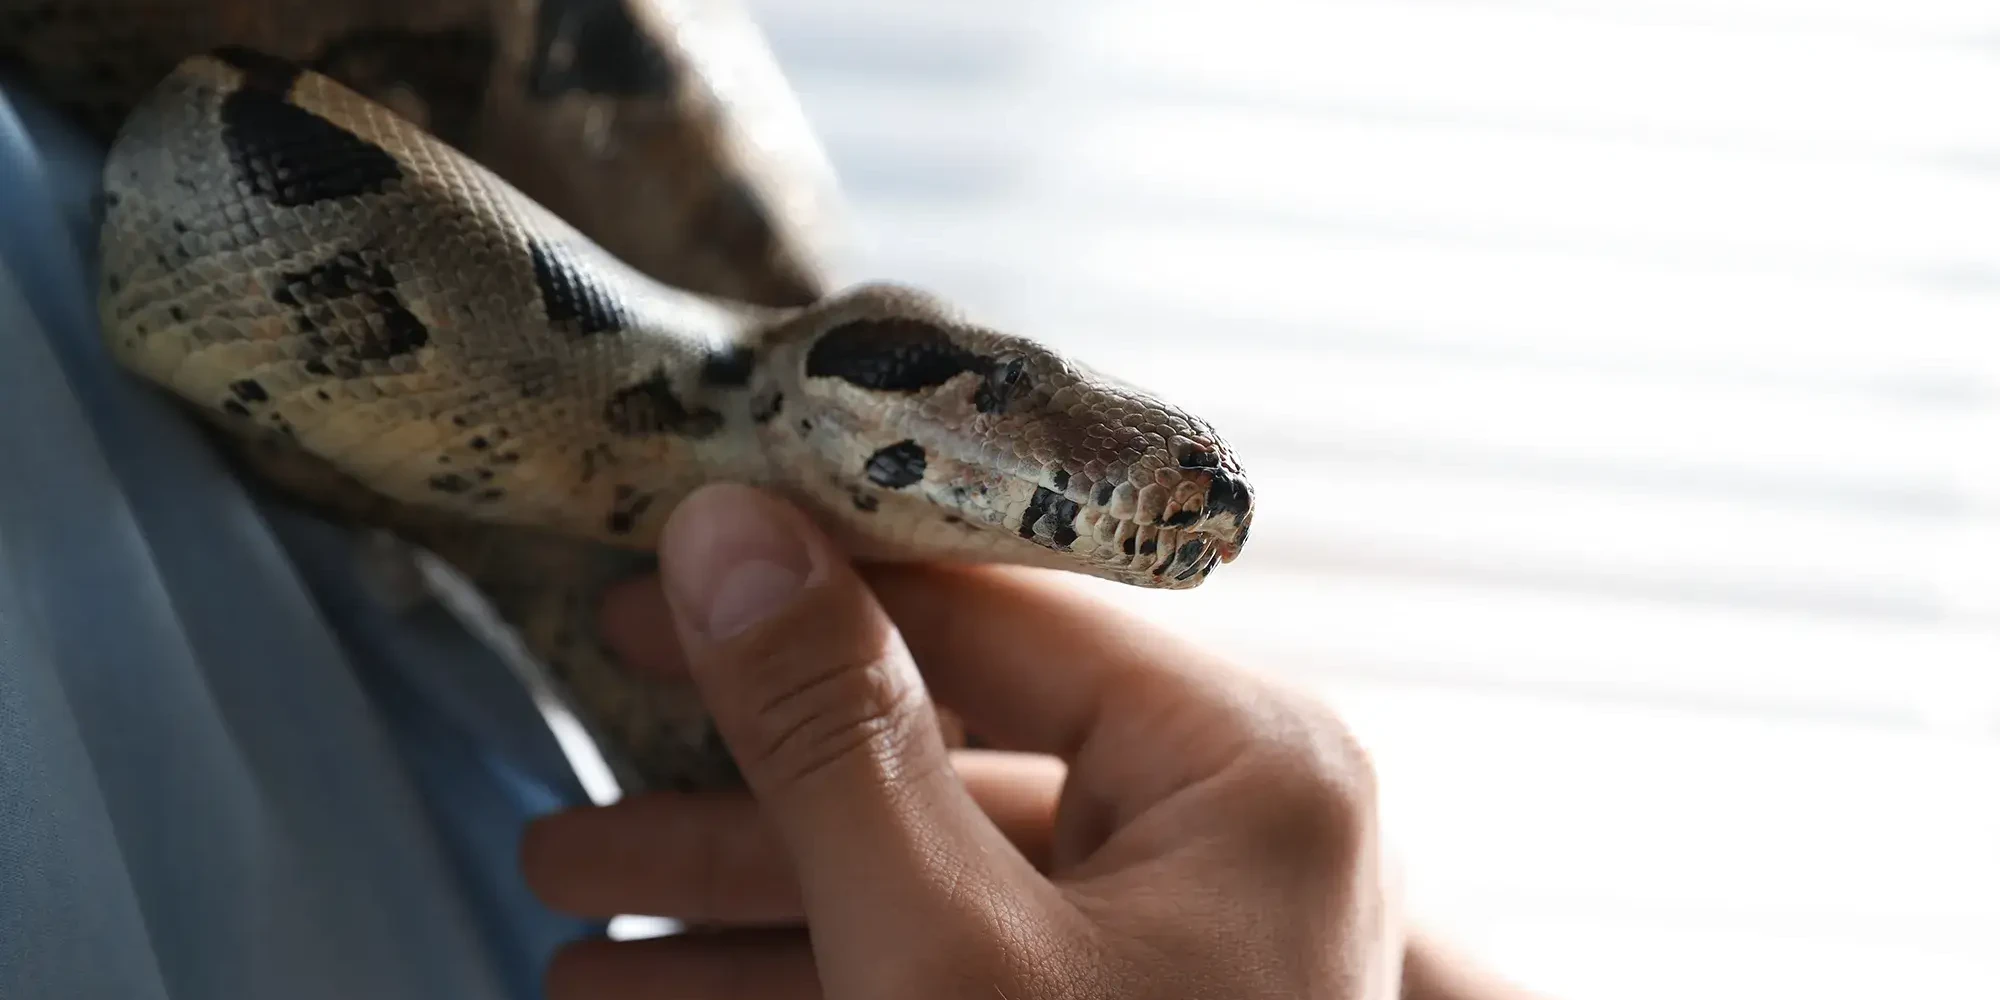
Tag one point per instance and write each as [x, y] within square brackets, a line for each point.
[508, 278]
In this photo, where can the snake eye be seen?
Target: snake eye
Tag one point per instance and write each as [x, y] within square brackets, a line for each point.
[1003, 381]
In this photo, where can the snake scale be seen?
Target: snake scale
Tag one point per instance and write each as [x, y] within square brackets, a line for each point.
[509, 278]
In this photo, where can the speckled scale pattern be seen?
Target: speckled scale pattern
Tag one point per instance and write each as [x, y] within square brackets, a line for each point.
[395, 326]
[396, 334]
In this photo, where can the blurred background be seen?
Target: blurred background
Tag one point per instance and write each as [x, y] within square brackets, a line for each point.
[1621, 383]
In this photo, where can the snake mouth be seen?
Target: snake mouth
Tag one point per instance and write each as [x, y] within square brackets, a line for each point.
[1172, 534]
[1156, 525]
[1161, 556]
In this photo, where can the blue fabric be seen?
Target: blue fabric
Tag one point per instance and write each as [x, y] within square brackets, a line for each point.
[225, 771]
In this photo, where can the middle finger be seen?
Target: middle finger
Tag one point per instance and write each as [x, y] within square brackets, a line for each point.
[712, 859]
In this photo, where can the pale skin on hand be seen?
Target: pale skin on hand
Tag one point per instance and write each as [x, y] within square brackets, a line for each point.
[1159, 822]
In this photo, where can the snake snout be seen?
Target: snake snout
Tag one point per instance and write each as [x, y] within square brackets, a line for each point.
[1225, 514]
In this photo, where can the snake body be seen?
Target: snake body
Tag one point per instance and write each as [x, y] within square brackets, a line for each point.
[524, 372]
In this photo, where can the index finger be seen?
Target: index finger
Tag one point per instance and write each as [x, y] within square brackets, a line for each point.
[1026, 657]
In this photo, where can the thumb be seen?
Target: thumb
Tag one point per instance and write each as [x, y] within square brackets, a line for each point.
[820, 704]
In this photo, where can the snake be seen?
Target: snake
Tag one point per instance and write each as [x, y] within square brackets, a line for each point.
[509, 279]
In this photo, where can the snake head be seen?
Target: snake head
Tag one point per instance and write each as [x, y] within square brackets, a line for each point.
[920, 432]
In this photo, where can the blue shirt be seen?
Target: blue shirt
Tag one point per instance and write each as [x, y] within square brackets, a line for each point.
[225, 770]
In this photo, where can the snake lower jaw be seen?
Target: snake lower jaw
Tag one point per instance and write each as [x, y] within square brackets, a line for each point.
[1174, 561]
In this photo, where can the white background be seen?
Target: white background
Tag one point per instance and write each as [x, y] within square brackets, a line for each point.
[1619, 382]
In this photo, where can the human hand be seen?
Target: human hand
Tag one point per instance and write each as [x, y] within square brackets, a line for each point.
[1213, 835]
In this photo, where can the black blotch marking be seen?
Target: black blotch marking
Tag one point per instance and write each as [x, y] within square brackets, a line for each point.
[769, 408]
[261, 71]
[1189, 553]
[249, 390]
[1060, 510]
[479, 444]
[1002, 384]
[449, 70]
[235, 408]
[450, 482]
[180, 315]
[627, 505]
[899, 465]
[650, 407]
[891, 355]
[1103, 494]
[1182, 518]
[806, 425]
[1065, 530]
[324, 396]
[729, 368]
[1061, 479]
[574, 300]
[1151, 546]
[863, 502]
[350, 275]
[1201, 460]
[595, 47]
[1228, 493]
[485, 475]
[1131, 546]
[1038, 505]
[953, 519]
[292, 157]
[459, 421]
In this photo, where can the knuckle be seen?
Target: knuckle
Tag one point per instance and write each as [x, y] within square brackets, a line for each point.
[1319, 786]
[849, 708]
[805, 705]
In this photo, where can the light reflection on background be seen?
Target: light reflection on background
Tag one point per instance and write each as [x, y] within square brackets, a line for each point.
[1620, 384]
